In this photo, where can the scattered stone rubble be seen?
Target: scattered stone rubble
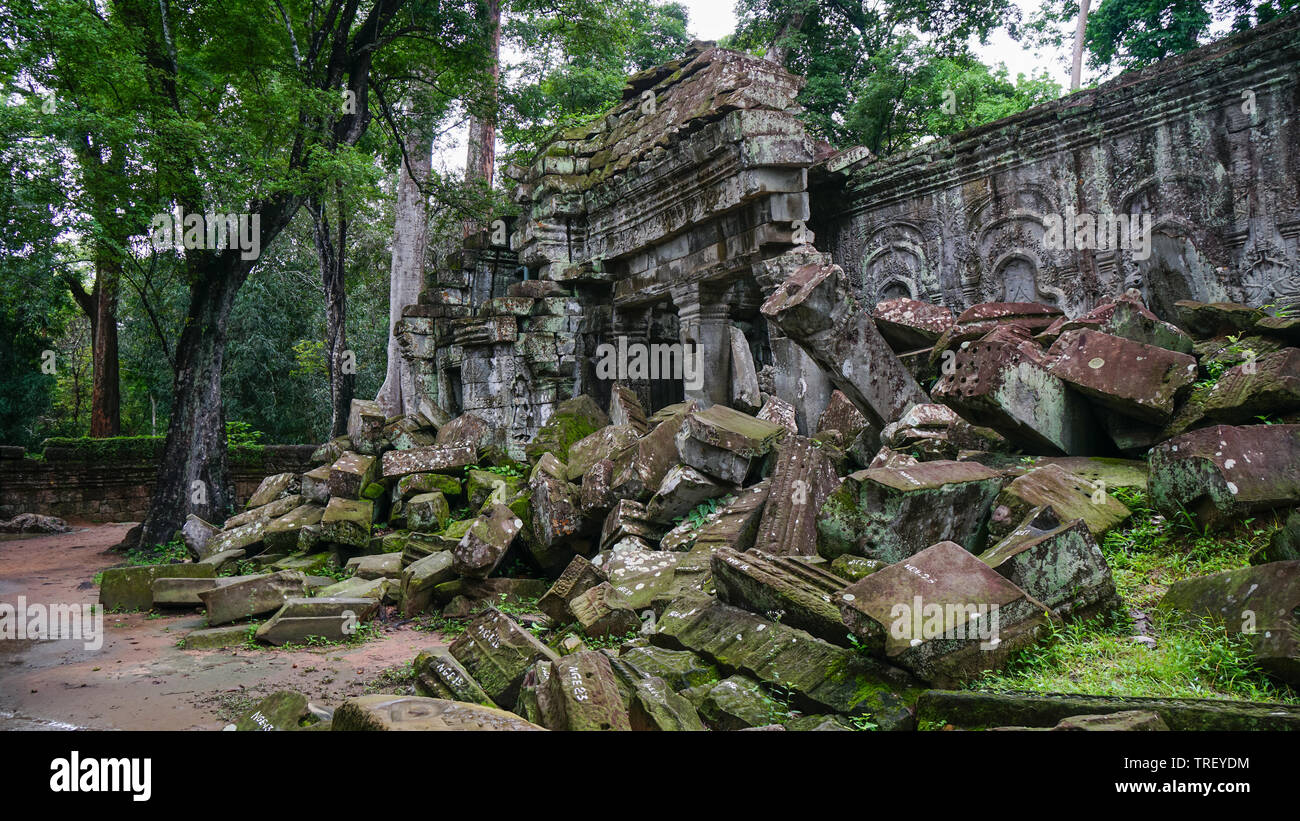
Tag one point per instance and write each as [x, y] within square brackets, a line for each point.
[745, 575]
[34, 523]
[857, 506]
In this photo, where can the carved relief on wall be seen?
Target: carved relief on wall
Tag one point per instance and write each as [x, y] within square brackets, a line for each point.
[895, 264]
[1010, 262]
[1174, 228]
[522, 413]
[1268, 277]
[1020, 269]
[1286, 288]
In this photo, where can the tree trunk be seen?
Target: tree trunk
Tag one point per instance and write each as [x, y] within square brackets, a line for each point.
[1076, 70]
[778, 51]
[333, 281]
[101, 169]
[193, 476]
[406, 276]
[482, 153]
[105, 396]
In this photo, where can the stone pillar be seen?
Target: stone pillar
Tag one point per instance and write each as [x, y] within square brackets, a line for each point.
[631, 322]
[799, 380]
[705, 335]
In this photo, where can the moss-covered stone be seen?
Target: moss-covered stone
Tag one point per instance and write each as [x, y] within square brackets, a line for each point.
[851, 568]
[427, 512]
[892, 513]
[1222, 473]
[970, 710]
[815, 671]
[131, 588]
[497, 652]
[737, 703]
[484, 487]
[413, 484]
[439, 675]
[282, 710]
[347, 522]
[382, 712]
[572, 420]
[1069, 495]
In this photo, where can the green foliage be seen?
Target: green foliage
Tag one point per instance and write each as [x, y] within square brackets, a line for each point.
[117, 112]
[241, 434]
[576, 56]
[863, 723]
[1281, 311]
[704, 510]
[35, 307]
[916, 93]
[510, 471]
[889, 75]
[1197, 660]
[608, 642]
[1148, 552]
[438, 623]
[1130, 34]
[778, 696]
[107, 449]
[522, 607]
[858, 646]
[242, 449]
[1190, 659]
[395, 679]
[242, 567]
[173, 552]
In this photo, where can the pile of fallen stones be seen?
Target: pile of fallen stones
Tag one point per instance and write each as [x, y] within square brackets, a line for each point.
[34, 523]
[736, 574]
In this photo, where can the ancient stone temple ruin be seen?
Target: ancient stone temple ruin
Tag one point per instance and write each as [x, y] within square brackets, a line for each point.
[672, 219]
[934, 382]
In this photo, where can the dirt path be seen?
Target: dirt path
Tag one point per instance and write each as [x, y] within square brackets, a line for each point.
[139, 679]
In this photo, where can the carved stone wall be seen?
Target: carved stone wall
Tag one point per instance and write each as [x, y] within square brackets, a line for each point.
[1205, 148]
[645, 225]
[674, 216]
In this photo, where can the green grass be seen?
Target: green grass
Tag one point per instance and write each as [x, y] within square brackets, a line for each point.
[1149, 553]
[393, 680]
[241, 567]
[1189, 661]
[1196, 660]
[170, 553]
[607, 642]
[438, 623]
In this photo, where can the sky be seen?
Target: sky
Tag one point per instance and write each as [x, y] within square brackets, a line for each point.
[713, 19]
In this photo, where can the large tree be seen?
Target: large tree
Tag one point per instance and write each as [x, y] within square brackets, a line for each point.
[576, 57]
[34, 307]
[1129, 34]
[241, 107]
[406, 270]
[873, 67]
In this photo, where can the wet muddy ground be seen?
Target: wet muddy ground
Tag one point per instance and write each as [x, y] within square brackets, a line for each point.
[139, 679]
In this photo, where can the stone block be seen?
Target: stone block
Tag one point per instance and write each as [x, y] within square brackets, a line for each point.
[942, 614]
